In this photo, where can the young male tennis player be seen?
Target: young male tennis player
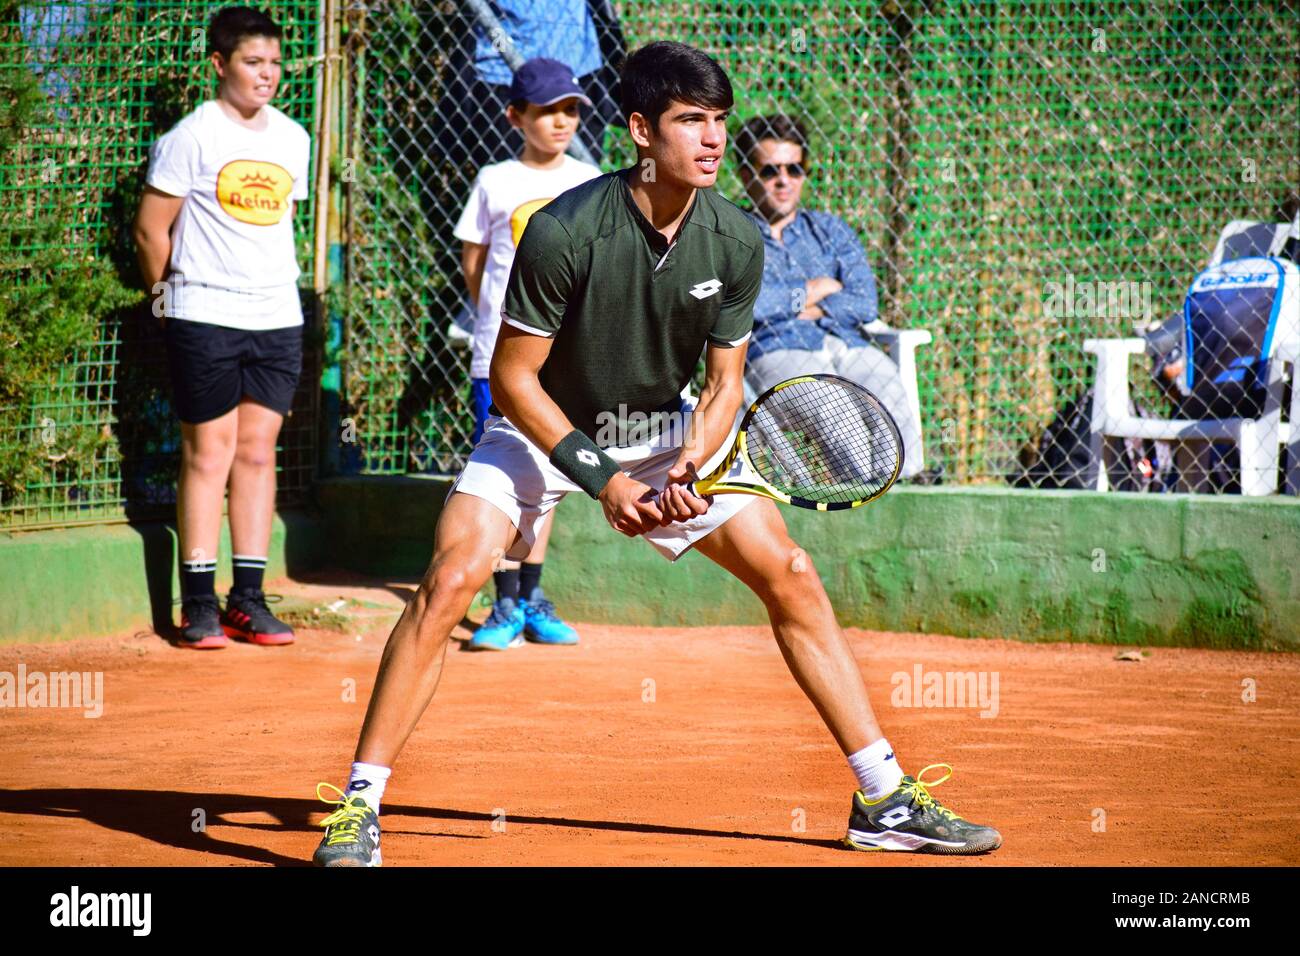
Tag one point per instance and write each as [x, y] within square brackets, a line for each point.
[617, 287]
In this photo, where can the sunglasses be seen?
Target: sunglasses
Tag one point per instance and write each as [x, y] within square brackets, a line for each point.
[793, 170]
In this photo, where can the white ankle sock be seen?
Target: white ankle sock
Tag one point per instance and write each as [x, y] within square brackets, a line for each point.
[877, 771]
[368, 781]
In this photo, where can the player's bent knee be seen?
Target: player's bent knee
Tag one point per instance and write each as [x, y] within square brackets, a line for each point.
[447, 590]
[795, 584]
[435, 610]
[445, 583]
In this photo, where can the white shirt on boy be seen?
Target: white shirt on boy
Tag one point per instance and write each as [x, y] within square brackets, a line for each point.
[233, 261]
[503, 198]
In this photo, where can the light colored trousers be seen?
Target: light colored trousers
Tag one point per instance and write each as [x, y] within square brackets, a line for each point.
[866, 365]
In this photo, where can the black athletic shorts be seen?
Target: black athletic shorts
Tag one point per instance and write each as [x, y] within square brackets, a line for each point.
[213, 367]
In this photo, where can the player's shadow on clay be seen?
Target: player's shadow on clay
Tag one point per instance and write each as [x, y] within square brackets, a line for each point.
[172, 819]
[622, 826]
[169, 818]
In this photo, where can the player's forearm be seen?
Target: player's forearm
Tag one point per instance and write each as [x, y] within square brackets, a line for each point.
[521, 399]
[711, 422]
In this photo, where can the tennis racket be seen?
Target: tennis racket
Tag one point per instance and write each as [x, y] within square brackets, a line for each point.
[816, 441]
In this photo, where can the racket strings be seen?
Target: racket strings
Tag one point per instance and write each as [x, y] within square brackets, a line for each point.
[825, 441]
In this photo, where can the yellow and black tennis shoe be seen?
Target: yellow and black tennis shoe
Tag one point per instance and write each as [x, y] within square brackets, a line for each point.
[911, 820]
[351, 832]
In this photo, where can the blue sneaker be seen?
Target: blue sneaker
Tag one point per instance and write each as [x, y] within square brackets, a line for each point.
[503, 629]
[542, 625]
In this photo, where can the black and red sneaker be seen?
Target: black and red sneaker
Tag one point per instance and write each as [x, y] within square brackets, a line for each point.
[201, 628]
[247, 618]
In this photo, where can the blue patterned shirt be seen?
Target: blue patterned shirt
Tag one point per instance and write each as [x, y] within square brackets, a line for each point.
[813, 244]
[560, 29]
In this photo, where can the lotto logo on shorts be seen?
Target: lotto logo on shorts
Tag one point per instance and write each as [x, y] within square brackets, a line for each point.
[588, 457]
[254, 192]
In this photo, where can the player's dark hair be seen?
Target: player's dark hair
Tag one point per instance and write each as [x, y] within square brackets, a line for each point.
[777, 126]
[664, 71]
[231, 26]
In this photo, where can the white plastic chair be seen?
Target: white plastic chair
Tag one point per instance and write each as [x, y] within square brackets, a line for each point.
[1259, 439]
[1289, 352]
[900, 345]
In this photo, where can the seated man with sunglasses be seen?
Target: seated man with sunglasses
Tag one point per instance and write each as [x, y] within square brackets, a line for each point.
[818, 289]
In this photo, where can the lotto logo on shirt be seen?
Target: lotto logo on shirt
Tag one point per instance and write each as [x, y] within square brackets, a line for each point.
[253, 191]
[519, 218]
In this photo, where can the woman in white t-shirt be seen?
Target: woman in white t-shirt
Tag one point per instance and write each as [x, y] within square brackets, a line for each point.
[216, 250]
[544, 107]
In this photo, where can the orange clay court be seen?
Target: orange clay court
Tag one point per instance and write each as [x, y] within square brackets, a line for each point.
[553, 756]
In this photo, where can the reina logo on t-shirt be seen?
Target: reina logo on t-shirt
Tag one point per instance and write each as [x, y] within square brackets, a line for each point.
[254, 192]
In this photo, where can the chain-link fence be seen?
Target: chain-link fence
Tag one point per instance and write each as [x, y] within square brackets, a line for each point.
[1022, 177]
[89, 85]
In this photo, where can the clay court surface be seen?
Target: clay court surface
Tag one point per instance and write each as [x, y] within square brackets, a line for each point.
[560, 746]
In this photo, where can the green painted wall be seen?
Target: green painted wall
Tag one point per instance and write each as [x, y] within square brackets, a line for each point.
[986, 562]
[83, 582]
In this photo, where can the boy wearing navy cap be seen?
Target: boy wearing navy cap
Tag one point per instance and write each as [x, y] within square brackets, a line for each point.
[544, 107]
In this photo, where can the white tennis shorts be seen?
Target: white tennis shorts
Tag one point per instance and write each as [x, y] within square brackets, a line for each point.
[512, 473]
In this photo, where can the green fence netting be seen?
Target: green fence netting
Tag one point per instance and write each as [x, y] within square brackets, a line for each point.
[94, 437]
[985, 152]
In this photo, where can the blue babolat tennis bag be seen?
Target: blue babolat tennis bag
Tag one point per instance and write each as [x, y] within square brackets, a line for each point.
[1236, 313]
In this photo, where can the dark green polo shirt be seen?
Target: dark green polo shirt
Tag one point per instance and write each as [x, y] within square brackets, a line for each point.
[630, 314]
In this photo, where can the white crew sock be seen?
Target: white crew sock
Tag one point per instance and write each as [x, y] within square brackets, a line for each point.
[877, 771]
[367, 782]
